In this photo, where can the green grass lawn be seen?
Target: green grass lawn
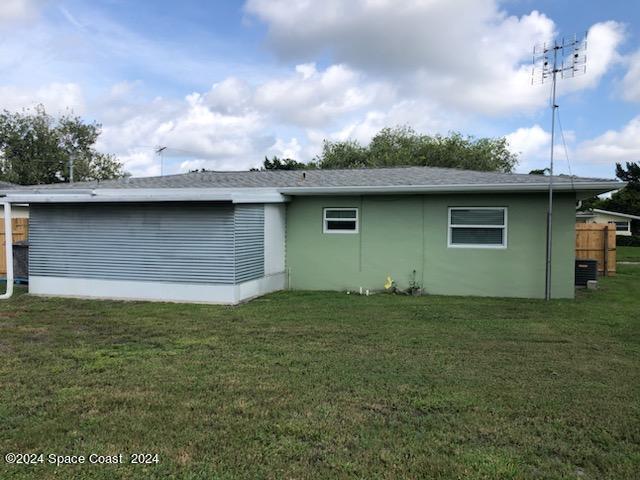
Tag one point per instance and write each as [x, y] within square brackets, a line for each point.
[628, 254]
[325, 385]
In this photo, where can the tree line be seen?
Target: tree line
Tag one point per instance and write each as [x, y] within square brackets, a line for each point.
[403, 146]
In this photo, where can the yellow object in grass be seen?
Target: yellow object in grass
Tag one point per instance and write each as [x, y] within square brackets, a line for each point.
[389, 283]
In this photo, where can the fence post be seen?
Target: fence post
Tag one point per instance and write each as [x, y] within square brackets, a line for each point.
[606, 250]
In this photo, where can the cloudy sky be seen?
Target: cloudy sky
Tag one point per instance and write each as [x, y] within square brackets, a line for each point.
[222, 84]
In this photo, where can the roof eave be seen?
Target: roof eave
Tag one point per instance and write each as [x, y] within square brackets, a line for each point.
[616, 214]
[279, 195]
[148, 195]
[593, 188]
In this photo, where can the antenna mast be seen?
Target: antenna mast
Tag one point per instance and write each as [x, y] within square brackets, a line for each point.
[568, 59]
[159, 151]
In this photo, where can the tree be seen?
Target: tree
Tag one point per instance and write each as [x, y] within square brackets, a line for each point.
[539, 171]
[402, 146]
[346, 154]
[629, 174]
[36, 148]
[625, 200]
[284, 164]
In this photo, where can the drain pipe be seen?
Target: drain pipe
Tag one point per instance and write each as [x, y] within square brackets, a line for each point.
[8, 248]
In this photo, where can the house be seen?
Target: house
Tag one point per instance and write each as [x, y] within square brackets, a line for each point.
[622, 220]
[224, 237]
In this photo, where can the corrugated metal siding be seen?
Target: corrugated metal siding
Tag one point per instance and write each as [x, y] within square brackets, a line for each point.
[249, 244]
[185, 243]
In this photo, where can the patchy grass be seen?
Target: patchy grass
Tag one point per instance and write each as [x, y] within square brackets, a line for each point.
[324, 385]
[628, 254]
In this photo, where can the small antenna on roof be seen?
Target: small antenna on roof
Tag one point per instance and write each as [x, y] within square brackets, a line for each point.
[159, 151]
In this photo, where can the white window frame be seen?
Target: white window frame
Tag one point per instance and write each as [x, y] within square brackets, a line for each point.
[325, 220]
[628, 222]
[504, 228]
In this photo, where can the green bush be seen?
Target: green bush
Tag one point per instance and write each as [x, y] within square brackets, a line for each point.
[632, 241]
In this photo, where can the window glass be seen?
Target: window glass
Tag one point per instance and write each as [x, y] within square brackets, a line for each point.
[476, 236]
[478, 227]
[622, 226]
[340, 220]
[478, 216]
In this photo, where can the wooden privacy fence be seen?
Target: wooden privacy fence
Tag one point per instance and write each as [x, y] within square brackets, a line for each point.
[597, 241]
[20, 228]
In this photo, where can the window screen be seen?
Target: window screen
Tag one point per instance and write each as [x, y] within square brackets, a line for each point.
[340, 220]
[477, 227]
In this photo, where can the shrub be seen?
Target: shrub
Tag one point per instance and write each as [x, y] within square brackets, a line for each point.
[632, 241]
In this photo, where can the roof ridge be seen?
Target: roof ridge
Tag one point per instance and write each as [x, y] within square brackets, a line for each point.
[362, 169]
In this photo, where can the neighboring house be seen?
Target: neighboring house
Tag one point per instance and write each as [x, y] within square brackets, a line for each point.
[225, 237]
[622, 221]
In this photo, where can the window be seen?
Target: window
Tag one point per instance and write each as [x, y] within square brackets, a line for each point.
[340, 220]
[478, 227]
[622, 226]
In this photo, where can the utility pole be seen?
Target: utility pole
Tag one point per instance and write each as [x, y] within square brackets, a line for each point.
[567, 58]
[71, 159]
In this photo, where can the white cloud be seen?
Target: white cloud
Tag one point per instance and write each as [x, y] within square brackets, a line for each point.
[234, 124]
[420, 114]
[603, 40]
[12, 11]
[286, 149]
[232, 95]
[141, 162]
[613, 145]
[313, 98]
[56, 98]
[631, 81]
[190, 129]
[530, 141]
[532, 146]
[467, 54]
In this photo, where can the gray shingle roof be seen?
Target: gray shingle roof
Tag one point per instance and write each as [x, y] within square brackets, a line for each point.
[375, 177]
[8, 186]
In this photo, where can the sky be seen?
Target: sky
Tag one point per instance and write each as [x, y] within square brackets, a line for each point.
[222, 84]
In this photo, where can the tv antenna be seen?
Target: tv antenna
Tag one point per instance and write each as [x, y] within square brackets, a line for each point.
[568, 59]
[159, 151]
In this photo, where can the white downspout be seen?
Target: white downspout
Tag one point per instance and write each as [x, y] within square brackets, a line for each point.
[8, 248]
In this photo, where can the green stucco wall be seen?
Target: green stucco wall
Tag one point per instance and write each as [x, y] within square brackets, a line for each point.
[399, 234]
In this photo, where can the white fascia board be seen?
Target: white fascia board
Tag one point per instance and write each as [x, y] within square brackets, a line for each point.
[616, 214]
[45, 198]
[248, 195]
[279, 195]
[600, 187]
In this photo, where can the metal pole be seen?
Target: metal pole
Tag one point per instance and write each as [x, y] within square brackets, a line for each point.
[71, 157]
[160, 151]
[547, 287]
[8, 247]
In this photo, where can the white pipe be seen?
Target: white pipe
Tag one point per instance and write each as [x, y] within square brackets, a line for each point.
[8, 247]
